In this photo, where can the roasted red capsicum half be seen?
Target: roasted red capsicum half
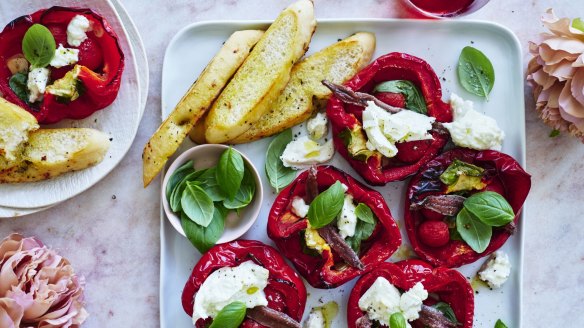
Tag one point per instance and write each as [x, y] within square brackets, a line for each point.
[443, 284]
[432, 206]
[347, 123]
[329, 267]
[100, 64]
[285, 290]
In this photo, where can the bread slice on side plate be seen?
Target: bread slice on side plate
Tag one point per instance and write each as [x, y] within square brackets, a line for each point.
[263, 75]
[196, 101]
[15, 124]
[305, 93]
[52, 152]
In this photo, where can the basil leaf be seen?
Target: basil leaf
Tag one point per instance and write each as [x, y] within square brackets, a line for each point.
[279, 175]
[474, 232]
[245, 193]
[231, 316]
[578, 24]
[414, 99]
[397, 320]
[177, 176]
[196, 204]
[500, 324]
[326, 206]
[203, 238]
[209, 183]
[38, 46]
[363, 231]
[458, 168]
[364, 213]
[490, 207]
[446, 309]
[230, 172]
[176, 194]
[17, 84]
[475, 72]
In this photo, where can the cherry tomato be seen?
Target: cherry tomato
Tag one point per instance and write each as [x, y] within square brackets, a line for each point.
[431, 215]
[393, 99]
[434, 233]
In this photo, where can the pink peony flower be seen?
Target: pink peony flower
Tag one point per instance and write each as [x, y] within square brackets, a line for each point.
[38, 287]
[556, 73]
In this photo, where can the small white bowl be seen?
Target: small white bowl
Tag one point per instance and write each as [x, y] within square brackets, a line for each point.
[205, 156]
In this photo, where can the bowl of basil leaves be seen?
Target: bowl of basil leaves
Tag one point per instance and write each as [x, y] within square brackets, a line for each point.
[212, 194]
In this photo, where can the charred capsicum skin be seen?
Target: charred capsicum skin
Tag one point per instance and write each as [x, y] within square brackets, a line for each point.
[322, 270]
[447, 284]
[346, 119]
[502, 175]
[101, 62]
[285, 290]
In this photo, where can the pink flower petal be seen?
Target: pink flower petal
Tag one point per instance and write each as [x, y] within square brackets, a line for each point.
[10, 313]
[562, 70]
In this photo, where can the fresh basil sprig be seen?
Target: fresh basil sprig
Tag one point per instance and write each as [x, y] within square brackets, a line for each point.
[474, 232]
[414, 99]
[230, 172]
[446, 309]
[203, 238]
[279, 175]
[364, 213]
[475, 72]
[490, 208]
[397, 320]
[500, 324]
[244, 195]
[364, 227]
[17, 84]
[178, 175]
[38, 46]
[196, 204]
[326, 206]
[231, 316]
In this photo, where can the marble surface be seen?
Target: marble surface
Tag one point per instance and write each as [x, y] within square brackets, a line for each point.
[111, 232]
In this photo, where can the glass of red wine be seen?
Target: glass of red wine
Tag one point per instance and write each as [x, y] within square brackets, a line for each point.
[445, 8]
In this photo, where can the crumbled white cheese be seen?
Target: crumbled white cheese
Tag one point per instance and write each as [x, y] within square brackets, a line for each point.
[37, 83]
[472, 129]
[347, 220]
[315, 319]
[384, 129]
[76, 30]
[244, 283]
[304, 152]
[411, 301]
[317, 126]
[64, 57]
[299, 207]
[497, 270]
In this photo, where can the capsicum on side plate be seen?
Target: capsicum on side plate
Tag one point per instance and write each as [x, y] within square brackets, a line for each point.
[285, 290]
[444, 286]
[331, 266]
[437, 195]
[347, 123]
[97, 74]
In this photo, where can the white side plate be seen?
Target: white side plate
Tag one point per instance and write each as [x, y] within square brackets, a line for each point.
[437, 42]
[120, 120]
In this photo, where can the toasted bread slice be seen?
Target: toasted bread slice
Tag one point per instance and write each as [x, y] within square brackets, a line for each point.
[52, 152]
[196, 101]
[305, 93]
[263, 75]
[15, 124]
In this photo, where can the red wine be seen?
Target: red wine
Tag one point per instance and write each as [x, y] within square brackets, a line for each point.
[443, 7]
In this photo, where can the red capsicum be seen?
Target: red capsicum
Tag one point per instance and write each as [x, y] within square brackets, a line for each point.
[100, 57]
[502, 175]
[444, 285]
[323, 270]
[347, 118]
[285, 290]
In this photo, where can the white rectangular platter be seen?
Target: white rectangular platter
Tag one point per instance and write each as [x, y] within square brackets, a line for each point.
[437, 42]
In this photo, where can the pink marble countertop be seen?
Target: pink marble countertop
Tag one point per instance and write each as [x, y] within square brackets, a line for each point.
[111, 232]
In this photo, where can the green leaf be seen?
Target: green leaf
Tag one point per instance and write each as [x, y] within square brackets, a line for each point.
[474, 232]
[447, 311]
[578, 24]
[500, 324]
[230, 172]
[414, 99]
[176, 194]
[278, 175]
[554, 133]
[196, 204]
[177, 176]
[397, 320]
[245, 194]
[475, 72]
[364, 213]
[17, 84]
[490, 207]
[326, 206]
[38, 46]
[209, 183]
[363, 231]
[231, 316]
[203, 238]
